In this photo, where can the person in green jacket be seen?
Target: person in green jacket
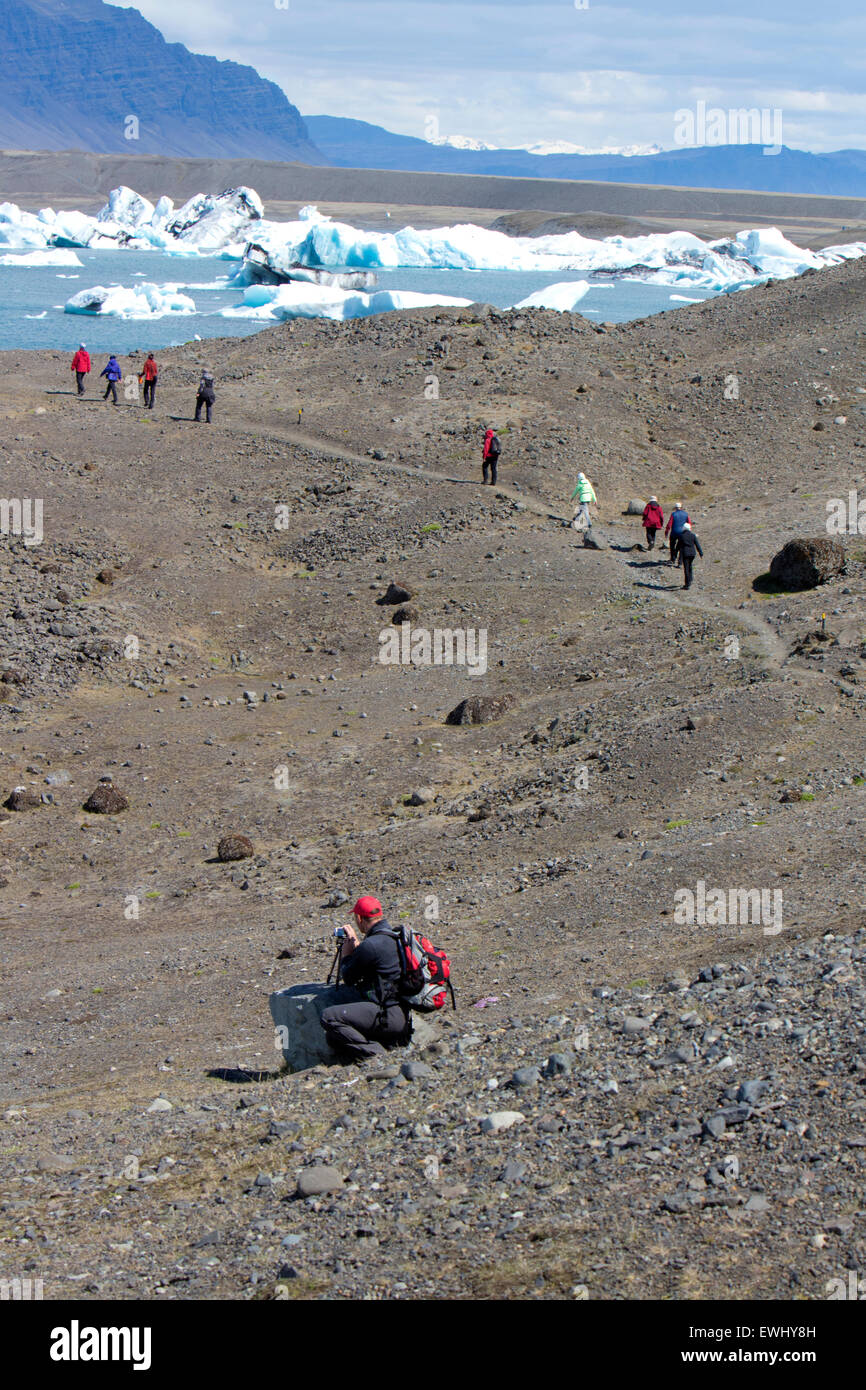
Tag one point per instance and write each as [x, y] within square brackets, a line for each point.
[585, 493]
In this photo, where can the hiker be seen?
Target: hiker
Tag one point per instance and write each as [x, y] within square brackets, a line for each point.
[374, 967]
[113, 375]
[678, 518]
[205, 396]
[490, 456]
[653, 520]
[81, 366]
[688, 545]
[149, 374]
[585, 493]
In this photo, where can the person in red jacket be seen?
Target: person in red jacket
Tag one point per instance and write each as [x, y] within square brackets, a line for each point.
[490, 456]
[653, 520]
[81, 366]
[149, 374]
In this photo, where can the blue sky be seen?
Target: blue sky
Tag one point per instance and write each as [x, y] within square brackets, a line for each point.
[515, 73]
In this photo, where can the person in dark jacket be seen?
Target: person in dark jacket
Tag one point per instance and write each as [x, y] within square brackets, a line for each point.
[112, 373]
[372, 966]
[653, 520]
[149, 374]
[688, 546]
[490, 456]
[678, 518]
[205, 396]
[81, 366]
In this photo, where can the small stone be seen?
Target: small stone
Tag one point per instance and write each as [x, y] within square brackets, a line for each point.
[757, 1203]
[319, 1180]
[525, 1076]
[159, 1105]
[558, 1064]
[416, 1071]
[500, 1119]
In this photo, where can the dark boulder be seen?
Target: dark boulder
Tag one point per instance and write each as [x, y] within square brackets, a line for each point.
[232, 847]
[22, 799]
[480, 709]
[395, 593]
[106, 800]
[805, 563]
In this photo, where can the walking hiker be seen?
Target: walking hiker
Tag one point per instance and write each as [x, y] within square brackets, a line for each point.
[81, 366]
[373, 967]
[688, 545]
[113, 375]
[205, 396]
[585, 493]
[149, 374]
[490, 456]
[678, 519]
[653, 520]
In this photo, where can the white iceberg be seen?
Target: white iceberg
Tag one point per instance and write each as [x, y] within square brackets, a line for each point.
[41, 258]
[565, 295]
[126, 208]
[300, 301]
[140, 302]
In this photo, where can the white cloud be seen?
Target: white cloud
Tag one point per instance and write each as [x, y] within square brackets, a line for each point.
[513, 72]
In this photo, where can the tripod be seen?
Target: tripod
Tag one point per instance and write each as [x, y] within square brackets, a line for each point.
[336, 964]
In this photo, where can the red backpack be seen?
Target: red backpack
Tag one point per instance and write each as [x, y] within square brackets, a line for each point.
[426, 971]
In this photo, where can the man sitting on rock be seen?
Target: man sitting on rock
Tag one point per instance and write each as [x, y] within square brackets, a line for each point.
[374, 967]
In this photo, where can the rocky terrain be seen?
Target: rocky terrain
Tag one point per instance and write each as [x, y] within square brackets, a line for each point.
[199, 626]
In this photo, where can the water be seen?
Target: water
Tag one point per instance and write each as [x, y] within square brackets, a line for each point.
[32, 299]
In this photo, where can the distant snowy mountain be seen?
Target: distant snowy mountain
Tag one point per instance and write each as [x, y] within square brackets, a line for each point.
[565, 147]
[468, 142]
[461, 142]
[80, 74]
[359, 145]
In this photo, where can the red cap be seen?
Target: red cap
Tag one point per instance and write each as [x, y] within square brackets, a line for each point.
[367, 907]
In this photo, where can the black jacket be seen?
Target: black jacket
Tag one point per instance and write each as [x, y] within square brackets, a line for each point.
[688, 544]
[206, 391]
[375, 967]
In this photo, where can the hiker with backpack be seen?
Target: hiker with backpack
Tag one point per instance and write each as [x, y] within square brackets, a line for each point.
[373, 967]
[490, 456]
[394, 970]
[677, 521]
[205, 397]
[112, 373]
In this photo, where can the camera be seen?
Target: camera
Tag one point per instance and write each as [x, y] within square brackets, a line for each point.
[339, 933]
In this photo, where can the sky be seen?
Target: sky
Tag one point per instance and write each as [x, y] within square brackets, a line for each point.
[513, 73]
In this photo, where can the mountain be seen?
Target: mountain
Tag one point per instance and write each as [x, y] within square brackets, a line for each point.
[357, 144]
[73, 73]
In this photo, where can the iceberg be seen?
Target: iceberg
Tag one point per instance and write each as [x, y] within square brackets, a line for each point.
[126, 208]
[141, 302]
[564, 296]
[300, 301]
[211, 223]
[41, 258]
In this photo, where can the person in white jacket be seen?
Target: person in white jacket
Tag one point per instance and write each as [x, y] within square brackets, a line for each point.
[585, 493]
